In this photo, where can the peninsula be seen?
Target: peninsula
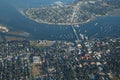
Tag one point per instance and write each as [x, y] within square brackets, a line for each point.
[62, 14]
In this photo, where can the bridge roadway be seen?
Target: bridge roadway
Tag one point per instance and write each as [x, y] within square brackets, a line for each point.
[75, 10]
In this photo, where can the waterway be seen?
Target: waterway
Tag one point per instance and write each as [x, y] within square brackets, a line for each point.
[11, 17]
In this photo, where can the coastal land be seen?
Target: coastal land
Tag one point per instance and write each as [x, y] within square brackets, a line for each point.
[8, 35]
[115, 12]
[62, 14]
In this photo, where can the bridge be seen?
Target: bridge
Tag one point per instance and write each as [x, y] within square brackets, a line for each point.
[75, 10]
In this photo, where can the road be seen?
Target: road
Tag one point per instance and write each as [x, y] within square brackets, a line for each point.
[75, 10]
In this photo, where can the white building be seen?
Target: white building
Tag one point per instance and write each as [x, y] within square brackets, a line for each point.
[36, 59]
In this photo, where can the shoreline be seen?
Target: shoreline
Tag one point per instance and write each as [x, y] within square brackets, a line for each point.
[68, 24]
[61, 15]
[60, 24]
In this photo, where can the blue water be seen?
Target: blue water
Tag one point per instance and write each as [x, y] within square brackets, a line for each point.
[11, 17]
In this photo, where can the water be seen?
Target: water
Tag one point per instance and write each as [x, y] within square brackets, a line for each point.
[106, 27]
[11, 17]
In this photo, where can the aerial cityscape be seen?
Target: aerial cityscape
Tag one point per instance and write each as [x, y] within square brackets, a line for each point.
[60, 40]
[81, 11]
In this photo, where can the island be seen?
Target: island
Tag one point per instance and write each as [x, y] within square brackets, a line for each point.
[78, 12]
